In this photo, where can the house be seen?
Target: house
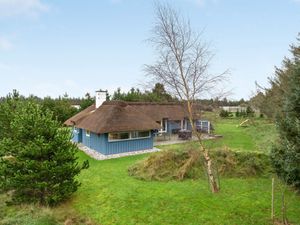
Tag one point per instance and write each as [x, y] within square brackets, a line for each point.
[112, 127]
[234, 109]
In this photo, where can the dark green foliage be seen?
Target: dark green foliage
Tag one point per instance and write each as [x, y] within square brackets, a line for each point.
[249, 111]
[224, 113]
[37, 160]
[61, 108]
[181, 164]
[270, 101]
[157, 94]
[286, 154]
[87, 101]
[7, 108]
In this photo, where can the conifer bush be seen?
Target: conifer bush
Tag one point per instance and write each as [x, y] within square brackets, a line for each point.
[285, 155]
[38, 163]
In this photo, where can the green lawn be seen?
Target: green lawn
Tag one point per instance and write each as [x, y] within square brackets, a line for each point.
[109, 196]
[258, 136]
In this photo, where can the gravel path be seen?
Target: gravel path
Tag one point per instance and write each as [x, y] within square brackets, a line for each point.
[98, 156]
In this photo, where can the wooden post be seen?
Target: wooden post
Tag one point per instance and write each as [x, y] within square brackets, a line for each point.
[284, 220]
[272, 206]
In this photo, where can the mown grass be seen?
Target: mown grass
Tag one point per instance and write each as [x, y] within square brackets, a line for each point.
[258, 136]
[109, 196]
[32, 214]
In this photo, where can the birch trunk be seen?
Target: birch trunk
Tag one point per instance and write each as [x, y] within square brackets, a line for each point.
[208, 161]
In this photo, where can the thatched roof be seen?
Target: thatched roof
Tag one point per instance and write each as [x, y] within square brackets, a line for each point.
[158, 111]
[80, 116]
[115, 116]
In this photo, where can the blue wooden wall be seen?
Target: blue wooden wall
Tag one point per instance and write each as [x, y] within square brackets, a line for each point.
[100, 143]
[128, 145]
[173, 125]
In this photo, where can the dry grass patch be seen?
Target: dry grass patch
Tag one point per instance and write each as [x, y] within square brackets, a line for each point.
[182, 164]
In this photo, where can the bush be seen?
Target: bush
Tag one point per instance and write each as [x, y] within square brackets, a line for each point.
[285, 155]
[179, 165]
[224, 113]
[37, 161]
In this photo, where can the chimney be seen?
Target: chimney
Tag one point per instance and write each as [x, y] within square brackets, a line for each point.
[100, 97]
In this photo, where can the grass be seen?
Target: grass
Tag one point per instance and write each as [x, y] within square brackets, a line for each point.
[109, 196]
[256, 137]
[27, 214]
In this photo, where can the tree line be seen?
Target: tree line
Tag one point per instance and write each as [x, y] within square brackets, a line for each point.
[281, 103]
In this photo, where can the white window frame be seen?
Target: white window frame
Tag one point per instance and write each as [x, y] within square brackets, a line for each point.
[87, 133]
[130, 136]
[166, 125]
[75, 130]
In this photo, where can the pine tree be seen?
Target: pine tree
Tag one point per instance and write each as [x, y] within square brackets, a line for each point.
[38, 161]
[285, 155]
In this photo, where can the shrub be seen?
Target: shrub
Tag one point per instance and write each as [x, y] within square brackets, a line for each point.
[38, 162]
[285, 155]
[182, 164]
[224, 113]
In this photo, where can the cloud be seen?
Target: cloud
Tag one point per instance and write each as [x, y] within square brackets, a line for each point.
[5, 44]
[9, 8]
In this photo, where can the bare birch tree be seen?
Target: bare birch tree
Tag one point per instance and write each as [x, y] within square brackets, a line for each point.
[182, 66]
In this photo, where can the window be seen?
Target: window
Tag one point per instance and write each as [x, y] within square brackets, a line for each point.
[140, 134]
[88, 133]
[128, 135]
[118, 136]
[75, 130]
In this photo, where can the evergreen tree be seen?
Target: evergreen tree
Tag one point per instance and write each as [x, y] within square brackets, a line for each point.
[7, 108]
[87, 101]
[285, 155]
[37, 161]
[237, 113]
[61, 107]
[249, 111]
[157, 94]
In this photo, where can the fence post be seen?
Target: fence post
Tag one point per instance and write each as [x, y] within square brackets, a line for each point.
[272, 206]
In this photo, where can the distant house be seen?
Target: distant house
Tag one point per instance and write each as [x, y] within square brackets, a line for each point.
[112, 127]
[234, 109]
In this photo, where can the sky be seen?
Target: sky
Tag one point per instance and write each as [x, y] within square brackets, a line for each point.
[52, 47]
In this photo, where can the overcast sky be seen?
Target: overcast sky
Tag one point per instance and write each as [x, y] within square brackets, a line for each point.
[75, 46]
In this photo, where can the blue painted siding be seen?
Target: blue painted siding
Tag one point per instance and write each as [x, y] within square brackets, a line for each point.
[173, 125]
[94, 141]
[100, 143]
[128, 145]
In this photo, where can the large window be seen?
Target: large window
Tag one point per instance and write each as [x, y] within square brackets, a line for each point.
[118, 136]
[128, 135]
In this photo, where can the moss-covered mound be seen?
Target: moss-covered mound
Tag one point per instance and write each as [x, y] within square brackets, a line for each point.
[181, 164]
